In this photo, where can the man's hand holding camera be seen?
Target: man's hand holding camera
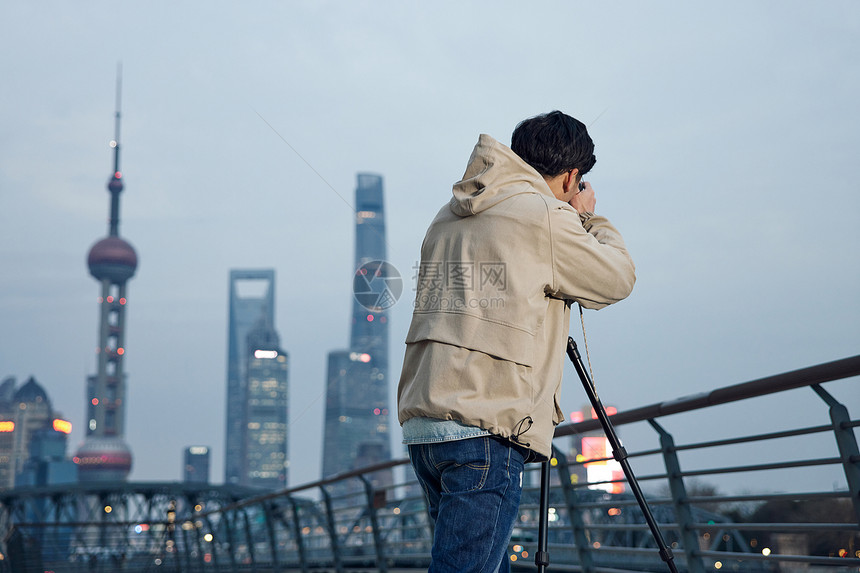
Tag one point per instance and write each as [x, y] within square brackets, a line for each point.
[584, 201]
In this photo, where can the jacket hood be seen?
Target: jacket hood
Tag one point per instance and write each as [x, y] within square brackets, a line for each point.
[494, 173]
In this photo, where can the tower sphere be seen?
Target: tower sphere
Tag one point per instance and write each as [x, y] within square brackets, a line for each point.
[115, 184]
[103, 459]
[112, 258]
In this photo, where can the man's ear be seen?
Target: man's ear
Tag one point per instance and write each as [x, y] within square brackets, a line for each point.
[570, 179]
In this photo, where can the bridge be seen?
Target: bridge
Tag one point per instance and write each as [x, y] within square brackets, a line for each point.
[344, 524]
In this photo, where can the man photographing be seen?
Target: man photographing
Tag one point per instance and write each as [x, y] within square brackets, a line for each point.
[500, 264]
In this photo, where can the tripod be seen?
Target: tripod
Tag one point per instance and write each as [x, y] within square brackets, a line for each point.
[620, 455]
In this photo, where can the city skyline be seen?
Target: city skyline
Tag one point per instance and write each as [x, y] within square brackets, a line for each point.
[725, 138]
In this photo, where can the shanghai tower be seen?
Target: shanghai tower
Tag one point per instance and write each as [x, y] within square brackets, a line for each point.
[369, 330]
[112, 261]
[357, 412]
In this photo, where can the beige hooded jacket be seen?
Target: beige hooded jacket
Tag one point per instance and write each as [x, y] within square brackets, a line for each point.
[490, 322]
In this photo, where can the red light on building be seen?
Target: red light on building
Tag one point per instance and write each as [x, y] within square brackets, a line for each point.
[610, 411]
[120, 350]
[110, 299]
[95, 401]
[376, 411]
[369, 318]
[122, 300]
[7, 426]
[364, 357]
[63, 426]
[576, 417]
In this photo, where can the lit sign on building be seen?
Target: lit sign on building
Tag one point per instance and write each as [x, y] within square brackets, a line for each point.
[63, 426]
[7, 426]
[603, 470]
[265, 354]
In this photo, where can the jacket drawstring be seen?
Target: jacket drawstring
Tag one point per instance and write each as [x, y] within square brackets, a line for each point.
[519, 431]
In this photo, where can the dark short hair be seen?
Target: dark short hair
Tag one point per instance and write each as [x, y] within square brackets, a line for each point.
[553, 143]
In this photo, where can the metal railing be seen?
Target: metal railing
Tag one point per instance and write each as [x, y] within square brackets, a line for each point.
[352, 522]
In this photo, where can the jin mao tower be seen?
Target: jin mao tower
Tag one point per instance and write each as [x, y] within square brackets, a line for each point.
[112, 261]
[257, 379]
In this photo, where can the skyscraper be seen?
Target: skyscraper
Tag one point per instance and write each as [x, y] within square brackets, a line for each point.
[357, 414]
[104, 456]
[369, 331]
[196, 466]
[266, 461]
[32, 438]
[257, 371]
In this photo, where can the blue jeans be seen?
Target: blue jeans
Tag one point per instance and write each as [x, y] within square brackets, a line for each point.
[473, 489]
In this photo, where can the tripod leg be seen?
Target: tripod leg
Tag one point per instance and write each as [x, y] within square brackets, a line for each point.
[619, 453]
[542, 555]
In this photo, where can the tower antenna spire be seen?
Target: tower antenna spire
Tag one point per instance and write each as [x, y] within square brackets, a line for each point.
[115, 185]
[118, 115]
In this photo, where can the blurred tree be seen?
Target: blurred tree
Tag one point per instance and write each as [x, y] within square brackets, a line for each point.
[824, 543]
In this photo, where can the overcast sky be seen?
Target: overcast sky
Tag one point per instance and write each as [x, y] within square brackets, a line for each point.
[727, 137]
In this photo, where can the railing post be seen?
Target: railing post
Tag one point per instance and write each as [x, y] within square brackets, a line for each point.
[847, 443]
[191, 500]
[211, 545]
[231, 538]
[198, 538]
[273, 540]
[374, 524]
[186, 549]
[679, 500]
[249, 537]
[297, 529]
[332, 531]
[580, 538]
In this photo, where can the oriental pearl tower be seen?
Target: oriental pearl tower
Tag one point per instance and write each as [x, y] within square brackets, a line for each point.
[104, 455]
